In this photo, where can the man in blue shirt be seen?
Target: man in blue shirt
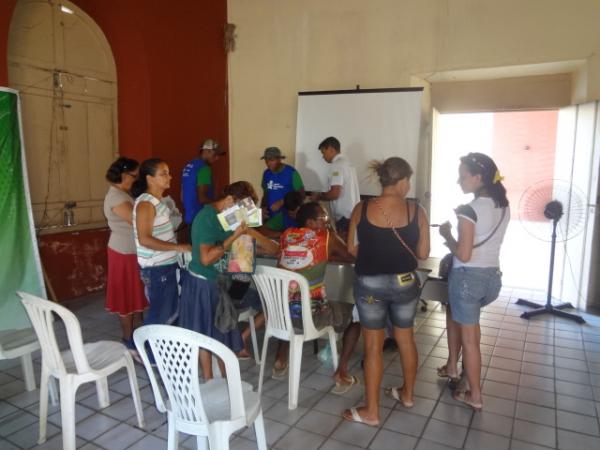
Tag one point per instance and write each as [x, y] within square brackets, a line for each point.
[278, 179]
[197, 187]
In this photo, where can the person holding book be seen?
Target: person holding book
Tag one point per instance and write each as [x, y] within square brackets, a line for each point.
[200, 291]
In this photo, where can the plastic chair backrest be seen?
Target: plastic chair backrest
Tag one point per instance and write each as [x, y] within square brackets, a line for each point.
[40, 313]
[176, 351]
[273, 285]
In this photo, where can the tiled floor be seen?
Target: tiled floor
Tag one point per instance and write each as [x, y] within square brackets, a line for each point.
[541, 387]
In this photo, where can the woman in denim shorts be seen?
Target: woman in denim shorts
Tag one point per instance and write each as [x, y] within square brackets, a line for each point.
[475, 278]
[387, 234]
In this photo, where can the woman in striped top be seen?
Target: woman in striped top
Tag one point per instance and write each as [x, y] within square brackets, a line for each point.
[155, 242]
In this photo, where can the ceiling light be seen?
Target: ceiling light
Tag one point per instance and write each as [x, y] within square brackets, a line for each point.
[66, 10]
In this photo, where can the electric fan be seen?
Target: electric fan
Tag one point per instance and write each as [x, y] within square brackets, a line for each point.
[551, 210]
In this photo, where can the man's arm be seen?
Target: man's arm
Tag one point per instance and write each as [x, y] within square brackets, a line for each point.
[332, 194]
[203, 184]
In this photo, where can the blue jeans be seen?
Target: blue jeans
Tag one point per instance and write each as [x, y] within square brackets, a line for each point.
[470, 289]
[380, 296]
[162, 292]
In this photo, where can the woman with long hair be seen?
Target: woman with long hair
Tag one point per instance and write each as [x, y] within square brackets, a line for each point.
[388, 234]
[200, 290]
[475, 278]
[155, 241]
[124, 289]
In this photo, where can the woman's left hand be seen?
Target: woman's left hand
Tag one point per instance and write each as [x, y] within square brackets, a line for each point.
[446, 230]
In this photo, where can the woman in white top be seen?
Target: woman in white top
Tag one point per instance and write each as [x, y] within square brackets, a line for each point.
[475, 278]
[155, 242]
[124, 289]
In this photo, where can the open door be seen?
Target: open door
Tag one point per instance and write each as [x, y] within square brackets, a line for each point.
[577, 163]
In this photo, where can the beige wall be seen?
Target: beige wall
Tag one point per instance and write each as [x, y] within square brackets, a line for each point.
[286, 46]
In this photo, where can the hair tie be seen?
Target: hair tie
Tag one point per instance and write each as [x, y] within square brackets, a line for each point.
[497, 177]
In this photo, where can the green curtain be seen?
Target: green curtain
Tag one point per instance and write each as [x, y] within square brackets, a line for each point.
[19, 260]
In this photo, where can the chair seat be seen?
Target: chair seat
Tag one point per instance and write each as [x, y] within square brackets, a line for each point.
[215, 396]
[100, 355]
[15, 343]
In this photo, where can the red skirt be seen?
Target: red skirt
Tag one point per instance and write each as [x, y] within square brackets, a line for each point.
[124, 287]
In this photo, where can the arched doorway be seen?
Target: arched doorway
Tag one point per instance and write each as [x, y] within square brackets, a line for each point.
[62, 65]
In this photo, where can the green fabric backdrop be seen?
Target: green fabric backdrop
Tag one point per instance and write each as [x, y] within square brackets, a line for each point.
[19, 259]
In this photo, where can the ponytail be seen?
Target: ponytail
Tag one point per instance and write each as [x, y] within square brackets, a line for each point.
[481, 164]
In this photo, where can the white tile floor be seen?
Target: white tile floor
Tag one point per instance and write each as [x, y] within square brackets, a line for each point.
[541, 387]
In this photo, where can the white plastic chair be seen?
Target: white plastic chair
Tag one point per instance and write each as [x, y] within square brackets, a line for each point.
[247, 315]
[83, 363]
[273, 287]
[211, 411]
[20, 344]
[435, 289]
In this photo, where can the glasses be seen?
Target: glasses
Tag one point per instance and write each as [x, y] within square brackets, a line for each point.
[324, 218]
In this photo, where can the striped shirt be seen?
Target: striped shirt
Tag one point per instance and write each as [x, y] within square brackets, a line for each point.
[162, 229]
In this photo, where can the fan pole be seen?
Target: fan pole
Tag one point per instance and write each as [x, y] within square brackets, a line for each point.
[549, 307]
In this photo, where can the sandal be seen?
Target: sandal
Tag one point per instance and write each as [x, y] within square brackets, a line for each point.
[243, 355]
[453, 380]
[352, 415]
[279, 373]
[462, 397]
[394, 393]
[341, 387]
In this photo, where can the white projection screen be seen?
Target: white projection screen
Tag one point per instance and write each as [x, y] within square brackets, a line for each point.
[370, 124]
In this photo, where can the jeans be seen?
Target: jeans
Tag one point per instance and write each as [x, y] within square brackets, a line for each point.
[162, 292]
[378, 296]
[470, 289]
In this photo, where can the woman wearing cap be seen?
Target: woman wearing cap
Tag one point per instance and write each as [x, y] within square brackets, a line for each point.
[124, 289]
[475, 278]
[155, 242]
[388, 234]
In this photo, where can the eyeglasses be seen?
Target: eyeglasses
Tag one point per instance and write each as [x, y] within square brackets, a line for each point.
[324, 218]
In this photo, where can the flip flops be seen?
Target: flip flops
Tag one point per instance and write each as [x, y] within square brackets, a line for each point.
[243, 355]
[279, 373]
[462, 397]
[394, 393]
[355, 417]
[453, 380]
[341, 388]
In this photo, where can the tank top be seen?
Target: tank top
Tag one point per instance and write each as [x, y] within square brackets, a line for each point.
[162, 229]
[379, 250]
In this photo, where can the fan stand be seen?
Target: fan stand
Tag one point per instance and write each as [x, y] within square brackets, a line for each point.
[549, 307]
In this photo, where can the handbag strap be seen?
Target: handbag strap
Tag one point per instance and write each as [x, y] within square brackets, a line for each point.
[479, 244]
[386, 217]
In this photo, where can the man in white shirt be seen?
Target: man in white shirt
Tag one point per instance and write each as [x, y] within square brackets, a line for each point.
[343, 193]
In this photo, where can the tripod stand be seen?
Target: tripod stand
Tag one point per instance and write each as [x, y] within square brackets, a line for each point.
[552, 211]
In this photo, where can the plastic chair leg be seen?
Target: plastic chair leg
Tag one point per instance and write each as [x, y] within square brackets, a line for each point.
[334, 352]
[135, 392]
[294, 370]
[53, 391]
[202, 442]
[44, 379]
[172, 433]
[102, 391]
[67, 413]
[27, 365]
[259, 430]
[263, 360]
[254, 340]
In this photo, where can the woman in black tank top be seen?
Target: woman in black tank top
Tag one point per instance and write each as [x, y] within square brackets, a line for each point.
[388, 234]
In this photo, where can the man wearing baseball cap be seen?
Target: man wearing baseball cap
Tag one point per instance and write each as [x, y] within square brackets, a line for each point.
[278, 179]
[197, 187]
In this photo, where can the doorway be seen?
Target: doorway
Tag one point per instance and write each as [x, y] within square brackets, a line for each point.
[530, 147]
[62, 65]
